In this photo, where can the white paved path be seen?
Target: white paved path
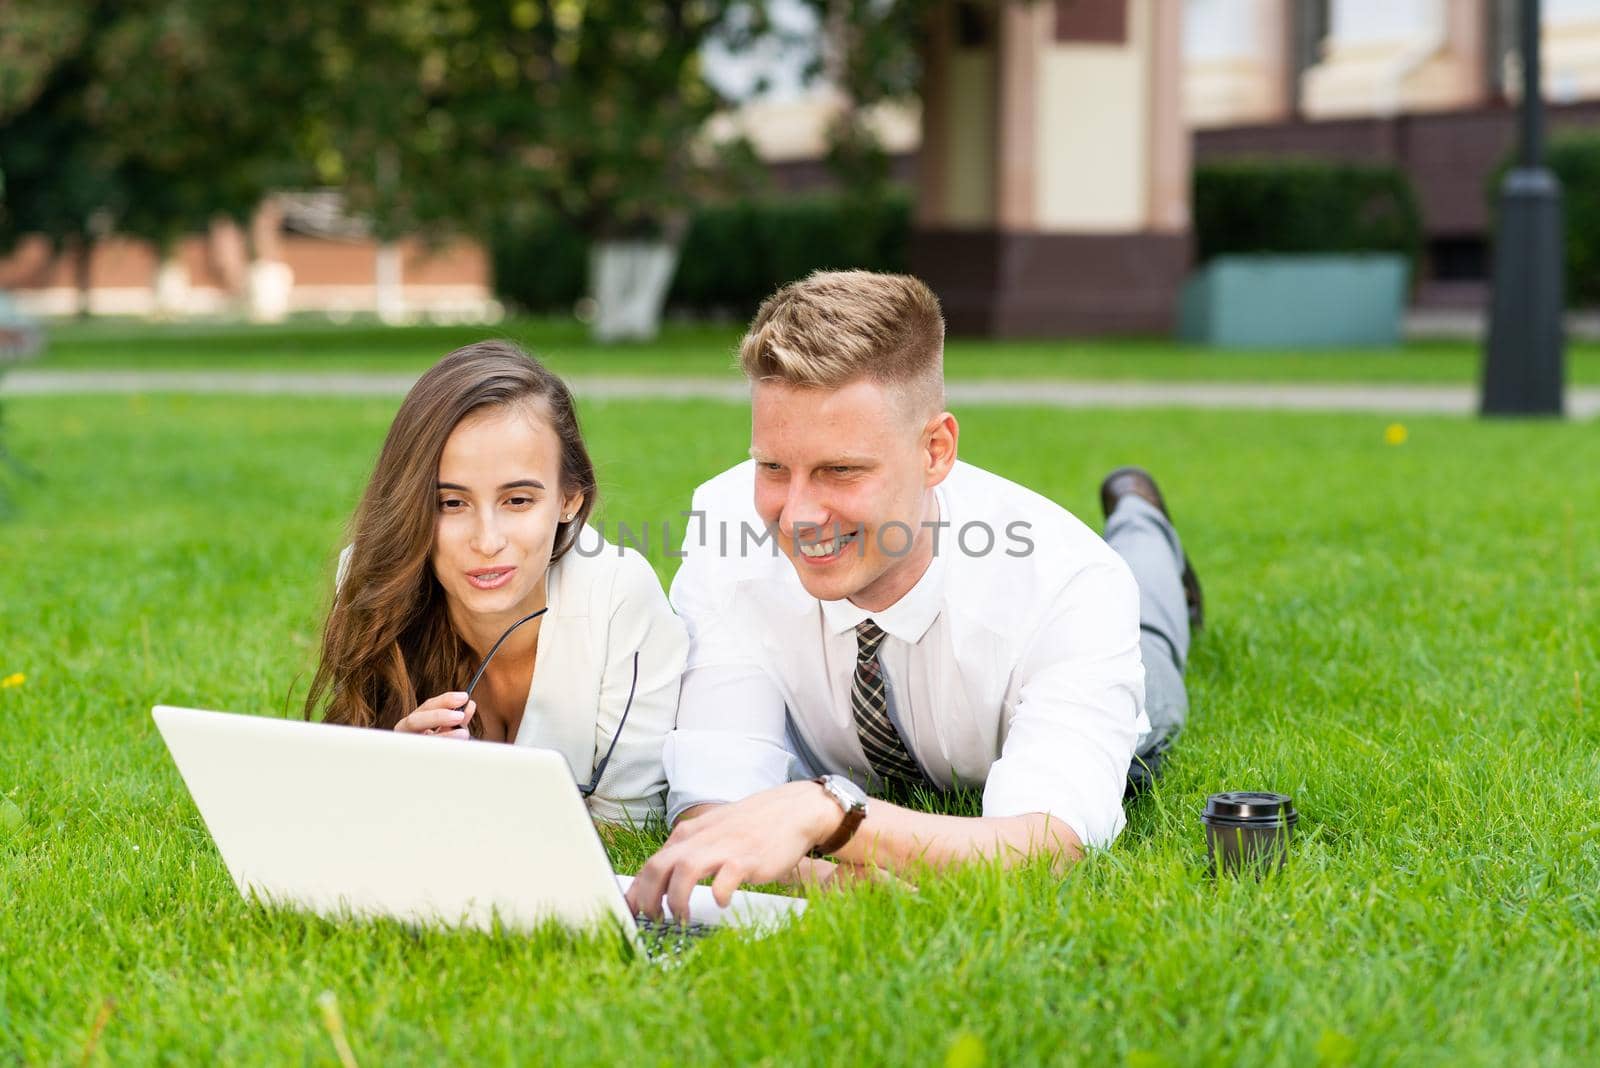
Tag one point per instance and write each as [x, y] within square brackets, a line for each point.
[1583, 402]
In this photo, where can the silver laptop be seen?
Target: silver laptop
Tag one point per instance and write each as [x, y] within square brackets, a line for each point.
[344, 821]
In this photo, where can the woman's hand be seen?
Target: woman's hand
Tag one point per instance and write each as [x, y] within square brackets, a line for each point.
[439, 716]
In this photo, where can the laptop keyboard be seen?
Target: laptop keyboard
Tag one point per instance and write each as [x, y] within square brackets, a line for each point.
[669, 935]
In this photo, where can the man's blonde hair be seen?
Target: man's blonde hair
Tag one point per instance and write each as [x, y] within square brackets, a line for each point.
[836, 327]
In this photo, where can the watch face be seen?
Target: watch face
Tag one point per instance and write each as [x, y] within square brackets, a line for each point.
[857, 796]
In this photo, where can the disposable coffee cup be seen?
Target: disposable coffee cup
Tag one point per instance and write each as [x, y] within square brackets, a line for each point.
[1248, 831]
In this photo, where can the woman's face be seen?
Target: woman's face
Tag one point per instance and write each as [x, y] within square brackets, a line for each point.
[499, 502]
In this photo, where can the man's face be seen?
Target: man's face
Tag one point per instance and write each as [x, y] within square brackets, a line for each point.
[844, 477]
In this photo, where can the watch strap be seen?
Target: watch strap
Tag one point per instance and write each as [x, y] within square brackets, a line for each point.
[853, 816]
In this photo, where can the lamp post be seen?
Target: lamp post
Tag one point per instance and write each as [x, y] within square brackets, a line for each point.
[1522, 370]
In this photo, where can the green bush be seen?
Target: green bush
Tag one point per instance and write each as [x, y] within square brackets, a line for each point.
[1575, 159]
[540, 264]
[734, 253]
[1290, 205]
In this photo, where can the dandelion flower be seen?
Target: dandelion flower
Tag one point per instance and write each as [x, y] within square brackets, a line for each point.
[1395, 434]
[16, 679]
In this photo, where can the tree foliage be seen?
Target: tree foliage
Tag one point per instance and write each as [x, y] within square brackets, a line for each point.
[37, 36]
[871, 54]
[154, 116]
[52, 178]
[197, 105]
[150, 116]
[454, 111]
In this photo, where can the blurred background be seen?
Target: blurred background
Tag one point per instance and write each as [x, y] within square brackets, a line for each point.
[1053, 168]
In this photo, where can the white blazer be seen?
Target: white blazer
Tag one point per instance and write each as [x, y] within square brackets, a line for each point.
[605, 604]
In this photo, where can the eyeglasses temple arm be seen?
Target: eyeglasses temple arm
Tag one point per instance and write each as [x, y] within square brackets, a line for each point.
[495, 648]
[600, 768]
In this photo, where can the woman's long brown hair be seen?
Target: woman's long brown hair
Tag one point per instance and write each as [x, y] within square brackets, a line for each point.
[388, 640]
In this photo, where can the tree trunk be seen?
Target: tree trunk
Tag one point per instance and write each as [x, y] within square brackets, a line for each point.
[172, 288]
[269, 281]
[269, 285]
[389, 284]
[82, 253]
[629, 281]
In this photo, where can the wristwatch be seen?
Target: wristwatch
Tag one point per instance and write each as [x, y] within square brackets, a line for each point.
[853, 800]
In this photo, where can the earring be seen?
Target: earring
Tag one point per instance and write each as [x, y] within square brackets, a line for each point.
[567, 518]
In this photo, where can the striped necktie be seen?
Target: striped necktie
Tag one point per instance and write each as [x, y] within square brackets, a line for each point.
[869, 700]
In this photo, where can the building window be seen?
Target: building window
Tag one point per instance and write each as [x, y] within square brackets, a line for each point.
[1459, 258]
[974, 25]
[1308, 29]
[1092, 21]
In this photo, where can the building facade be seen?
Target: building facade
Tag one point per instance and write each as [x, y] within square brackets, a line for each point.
[1428, 85]
[1053, 147]
[302, 254]
[1053, 170]
[1051, 152]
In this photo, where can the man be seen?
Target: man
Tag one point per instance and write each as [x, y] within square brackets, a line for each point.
[867, 613]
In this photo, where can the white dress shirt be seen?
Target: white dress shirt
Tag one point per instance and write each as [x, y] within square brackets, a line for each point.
[1015, 667]
[605, 604]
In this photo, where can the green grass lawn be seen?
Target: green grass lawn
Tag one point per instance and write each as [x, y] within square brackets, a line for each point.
[709, 350]
[1404, 638]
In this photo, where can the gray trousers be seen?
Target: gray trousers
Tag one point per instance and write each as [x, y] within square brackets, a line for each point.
[1145, 538]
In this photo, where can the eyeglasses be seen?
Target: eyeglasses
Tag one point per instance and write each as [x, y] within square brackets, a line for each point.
[599, 768]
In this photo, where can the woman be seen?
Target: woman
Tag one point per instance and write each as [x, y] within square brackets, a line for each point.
[470, 524]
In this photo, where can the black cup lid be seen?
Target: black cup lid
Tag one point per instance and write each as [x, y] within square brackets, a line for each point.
[1250, 806]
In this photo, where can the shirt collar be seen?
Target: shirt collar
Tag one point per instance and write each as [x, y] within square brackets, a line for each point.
[909, 618]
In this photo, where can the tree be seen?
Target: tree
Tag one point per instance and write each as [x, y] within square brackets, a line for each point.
[154, 116]
[37, 36]
[53, 179]
[444, 113]
[201, 103]
[871, 54]
[199, 107]
[149, 117]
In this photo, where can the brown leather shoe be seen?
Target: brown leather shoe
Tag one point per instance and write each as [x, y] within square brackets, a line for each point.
[1140, 483]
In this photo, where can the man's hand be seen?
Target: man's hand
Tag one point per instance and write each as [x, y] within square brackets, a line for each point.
[839, 874]
[760, 839]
